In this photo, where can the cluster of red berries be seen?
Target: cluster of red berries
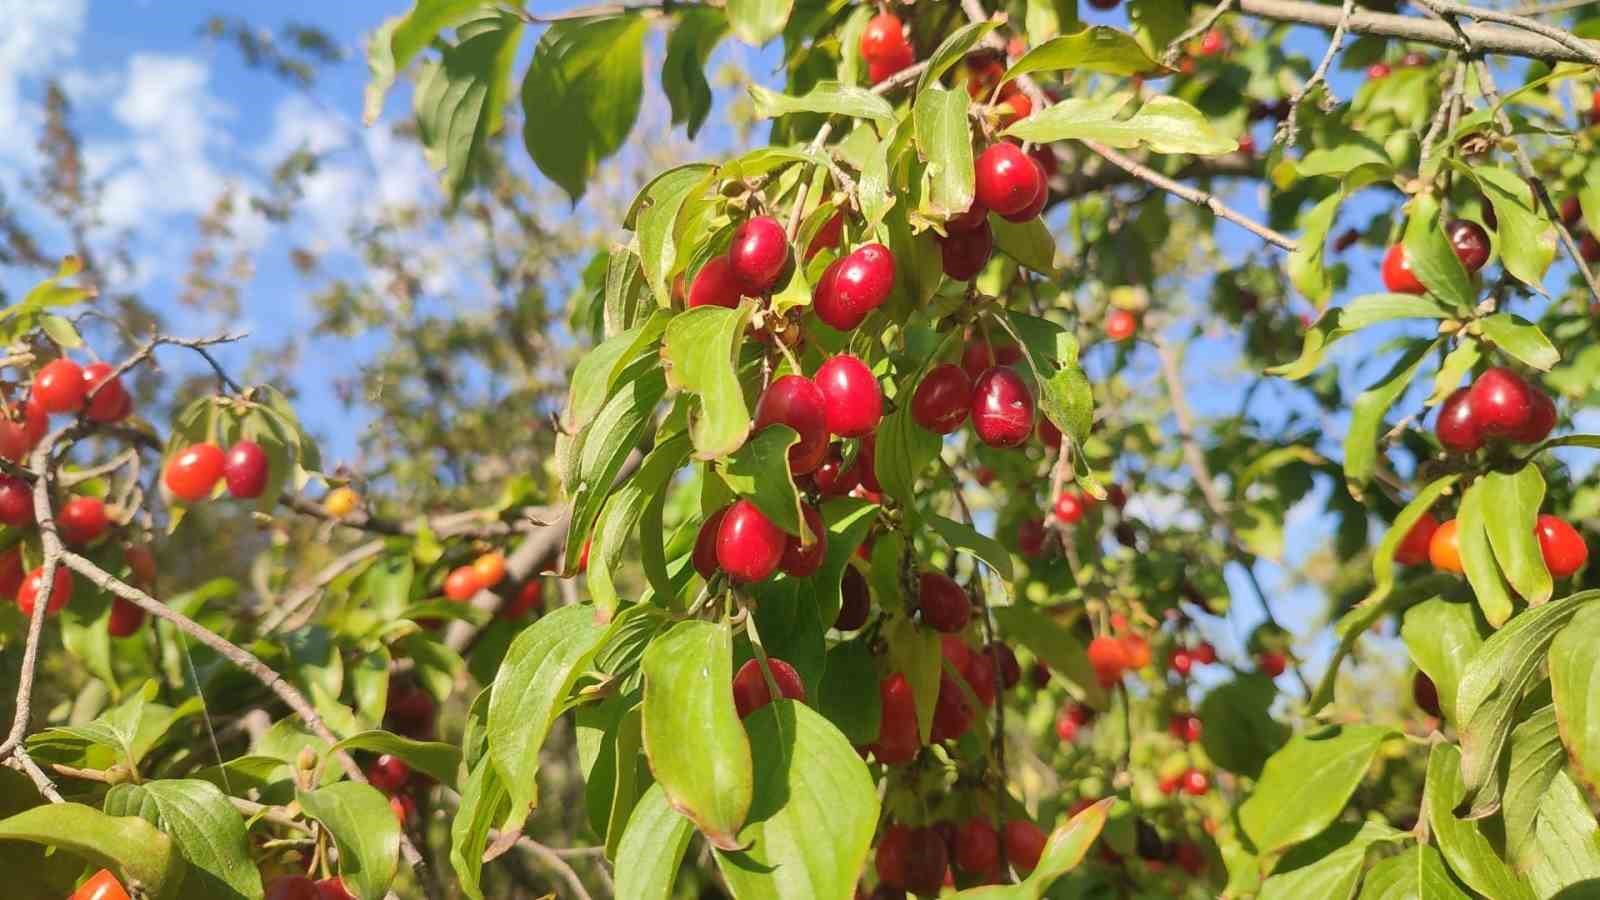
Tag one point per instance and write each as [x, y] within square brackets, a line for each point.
[1191, 781]
[394, 777]
[193, 473]
[61, 386]
[481, 574]
[1113, 656]
[984, 71]
[757, 257]
[1564, 550]
[301, 887]
[919, 859]
[1572, 214]
[982, 671]
[1007, 182]
[81, 521]
[1499, 404]
[410, 711]
[1467, 238]
[885, 48]
[1182, 660]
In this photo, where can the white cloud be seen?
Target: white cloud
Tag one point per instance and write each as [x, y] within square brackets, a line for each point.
[38, 36]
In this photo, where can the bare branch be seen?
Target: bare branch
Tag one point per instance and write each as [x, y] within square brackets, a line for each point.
[1286, 129]
[1485, 38]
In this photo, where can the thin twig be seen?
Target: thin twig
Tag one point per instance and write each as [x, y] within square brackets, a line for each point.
[1484, 38]
[1582, 48]
[1287, 132]
[554, 860]
[1175, 48]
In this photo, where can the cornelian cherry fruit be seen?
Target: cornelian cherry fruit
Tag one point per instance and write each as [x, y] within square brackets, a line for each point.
[853, 286]
[1024, 844]
[942, 400]
[1457, 425]
[1007, 179]
[883, 38]
[1002, 408]
[855, 601]
[1196, 783]
[1397, 275]
[245, 470]
[749, 546]
[192, 474]
[332, 888]
[292, 887]
[125, 618]
[1541, 420]
[1272, 662]
[832, 477]
[1426, 695]
[462, 583]
[82, 519]
[491, 568]
[102, 885]
[1069, 507]
[1030, 537]
[898, 737]
[16, 502]
[1470, 242]
[799, 559]
[1121, 324]
[529, 599]
[1413, 548]
[853, 401]
[758, 254]
[796, 401]
[977, 846]
[705, 544]
[963, 254]
[59, 386]
[1108, 657]
[389, 773]
[1502, 402]
[1444, 548]
[827, 236]
[714, 284]
[110, 401]
[750, 691]
[34, 585]
[1562, 547]
[945, 606]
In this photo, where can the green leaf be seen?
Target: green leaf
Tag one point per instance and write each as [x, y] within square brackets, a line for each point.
[683, 75]
[1029, 243]
[1307, 269]
[701, 353]
[1328, 865]
[966, 539]
[206, 828]
[605, 446]
[581, 96]
[623, 513]
[1383, 563]
[134, 851]
[1417, 873]
[1343, 158]
[601, 369]
[1442, 636]
[1068, 844]
[1574, 670]
[950, 51]
[438, 760]
[1520, 339]
[826, 98]
[1472, 858]
[414, 31]
[1514, 499]
[1046, 19]
[759, 471]
[537, 675]
[757, 21]
[1166, 124]
[1068, 401]
[1569, 862]
[1055, 645]
[1096, 49]
[944, 139]
[1366, 416]
[484, 803]
[697, 747]
[659, 204]
[62, 331]
[364, 829]
[653, 845]
[459, 99]
[1477, 557]
[1433, 259]
[913, 650]
[849, 696]
[904, 449]
[1240, 733]
[813, 813]
[1157, 23]
[1537, 755]
[1457, 363]
[1525, 239]
[1305, 785]
[1342, 321]
[847, 520]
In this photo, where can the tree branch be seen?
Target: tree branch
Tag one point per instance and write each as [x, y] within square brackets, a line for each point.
[1484, 38]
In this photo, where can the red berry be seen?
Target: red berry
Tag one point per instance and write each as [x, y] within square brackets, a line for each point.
[59, 386]
[827, 236]
[389, 774]
[796, 401]
[1426, 695]
[890, 858]
[21, 429]
[1571, 211]
[1588, 247]
[292, 887]
[1273, 662]
[1413, 548]
[705, 544]
[1109, 658]
[16, 502]
[883, 37]
[1035, 206]
[1377, 70]
[82, 519]
[1136, 650]
[410, 711]
[1397, 275]
[1069, 507]
[975, 216]
[1502, 402]
[245, 470]
[1195, 783]
[855, 601]
[1540, 422]
[714, 284]
[1017, 107]
[941, 401]
[1169, 783]
[102, 885]
[332, 888]
[898, 739]
[1066, 728]
[1049, 434]
[890, 65]
[977, 846]
[1186, 728]
[853, 286]
[980, 356]
[758, 254]
[801, 560]
[529, 599]
[1204, 653]
[194, 472]
[125, 618]
[491, 568]
[1002, 408]
[866, 465]
[462, 583]
[1189, 858]
[963, 254]
[111, 402]
[749, 546]
[34, 584]
[1080, 713]
[1121, 324]
[1457, 425]
[952, 714]
[403, 807]
[1007, 180]
[1470, 241]
[1024, 845]
[1030, 537]
[1180, 661]
[979, 674]
[750, 691]
[1561, 545]
[1213, 42]
[1005, 662]
[1116, 496]
[853, 401]
[945, 606]
[10, 571]
[832, 478]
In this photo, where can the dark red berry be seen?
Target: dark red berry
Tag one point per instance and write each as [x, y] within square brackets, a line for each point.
[855, 601]
[890, 858]
[981, 355]
[1470, 241]
[963, 254]
[975, 216]
[1002, 408]
[1413, 548]
[941, 401]
[389, 773]
[1007, 180]
[801, 560]
[125, 618]
[1069, 507]
[827, 236]
[1005, 663]
[1502, 402]
[332, 888]
[977, 846]
[832, 478]
[1571, 211]
[952, 713]
[1036, 205]
[866, 464]
[111, 402]
[758, 254]
[853, 286]
[750, 691]
[945, 606]
[1204, 653]
[1195, 783]
[1377, 70]
[1030, 538]
[1024, 844]
[1540, 422]
[292, 887]
[34, 584]
[1589, 247]
[1181, 662]
[1457, 426]
[883, 38]
[705, 544]
[749, 546]
[1273, 662]
[853, 401]
[888, 66]
[1397, 275]
[59, 386]
[1426, 694]
[245, 470]
[16, 502]
[714, 284]
[82, 520]
[1561, 545]
[796, 401]
[898, 738]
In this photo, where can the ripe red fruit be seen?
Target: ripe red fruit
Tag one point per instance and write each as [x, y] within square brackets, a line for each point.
[980, 355]
[853, 401]
[980, 675]
[705, 544]
[1066, 728]
[82, 519]
[194, 472]
[1035, 206]
[796, 401]
[102, 885]
[827, 236]
[800, 560]
[491, 568]
[16, 502]
[389, 773]
[1121, 324]
[1181, 662]
[945, 606]
[866, 465]
[1377, 70]
[403, 807]
[125, 618]
[1571, 211]
[21, 429]
[1002, 408]
[1069, 507]
[831, 477]
[59, 386]
[1213, 42]
[883, 37]
[1185, 727]
[1017, 106]
[975, 216]
[888, 66]
[1426, 695]
[1457, 425]
[1007, 180]
[1502, 402]
[963, 254]
[1444, 549]
[1136, 650]
[714, 284]
[749, 546]
[977, 846]
[855, 601]
[111, 402]
[410, 711]
[529, 599]
[898, 739]
[1588, 247]
[34, 585]
[941, 401]
[1108, 657]
[1049, 434]
[1030, 538]
[1024, 845]
[890, 859]
[1397, 275]
[758, 254]
[1273, 662]
[1470, 242]
[1005, 663]
[292, 887]
[10, 571]
[853, 286]
[952, 713]
[1541, 420]
[245, 470]
[462, 583]
[750, 691]
[332, 888]
[1204, 653]
[1413, 549]
[1561, 545]
[1195, 783]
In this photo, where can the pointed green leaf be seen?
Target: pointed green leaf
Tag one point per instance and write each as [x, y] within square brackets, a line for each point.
[653, 845]
[1096, 49]
[826, 98]
[759, 471]
[1367, 414]
[1514, 499]
[134, 851]
[1165, 123]
[1442, 637]
[757, 21]
[700, 351]
[581, 95]
[944, 139]
[1305, 785]
[1472, 858]
[208, 831]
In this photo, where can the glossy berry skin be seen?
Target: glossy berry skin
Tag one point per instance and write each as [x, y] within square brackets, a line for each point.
[796, 401]
[1121, 324]
[59, 386]
[945, 606]
[21, 429]
[853, 286]
[1413, 549]
[82, 519]
[855, 601]
[245, 470]
[952, 712]
[853, 403]
[1195, 783]
[705, 544]
[1204, 653]
[491, 568]
[1272, 663]
[125, 618]
[1470, 242]
[1541, 420]
[898, 738]
[1213, 42]
[866, 465]
[411, 710]
[1444, 548]
[975, 216]
[462, 583]
[832, 478]
[749, 546]
[111, 401]
[1502, 402]
[16, 502]
[758, 254]
[192, 474]
[389, 773]
[1397, 275]
[750, 691]
[102, 885]
[714, 285]
[1024, 844]
[942, 400]
[1377, 70]
[1007, 179]
[1108, 658]
[979, 674]
[1426, 695]
[801, 560]
[1002, 408]
[1181, 662]
[10, 571]
[888, 66]
[1030, 538]
[980, 356]
[332, 888]
[890, 858]
[883, 38]
[963, 254]
[1457, 425]
[1035, 206]
[1561, 545]
[34, 585]
[293, 887]
[1186, 728]
[827, 236]
[977, 846]
[1049, 434]
[1069, 508]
